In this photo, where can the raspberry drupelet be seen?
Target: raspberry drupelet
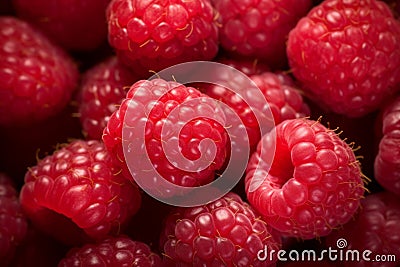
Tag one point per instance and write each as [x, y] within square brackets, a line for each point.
[103, 88]
[13, 223]
[283, 100]
[387, 161]
[376, 228]
[152, 35]
[36, 77]
[112, 251]
[77, 194]
[313, 184]
[225, 232]
[175, 120]
[259, 28]
[346, 54]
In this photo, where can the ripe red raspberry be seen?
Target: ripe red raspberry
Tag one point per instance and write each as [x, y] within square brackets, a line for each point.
[73, 24]
[347, 55]
[387, 162]
[13, 224]
[104, 86]
[112, 251]
[187, 117]
[36, 77]
[226, 232]
[259, 28]
[150, 36]
[376, 227]
[361, 130]
[77, 194]
[284, 101]
[313, 184]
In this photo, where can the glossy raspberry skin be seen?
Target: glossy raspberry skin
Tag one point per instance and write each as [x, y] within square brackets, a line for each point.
[36, 77]
[284, 101]
[103, 88]
[78, 189]
[73, 24]
[116, 251]
[387, 161]
[159, 97]
[259, 28]
[13, 223]
[314, 183]
[226, 232]
[152, 35]
[347, 55]
[376, 227]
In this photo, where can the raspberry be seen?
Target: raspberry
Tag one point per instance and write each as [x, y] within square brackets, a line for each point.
[13, 224]
[150, 36]
[355, 129]
[259, 28]
[387, 162]
[113, 251]
[103, 88]
[160, 105]
[73, 24]
[226, 232]
[36, 77]
[375, 228]
[347, 55]
[285, 102]
[79, 190]
[313, 184]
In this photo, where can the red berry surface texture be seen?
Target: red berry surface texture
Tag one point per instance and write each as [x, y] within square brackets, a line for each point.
[387, 161]
[152, 35]
[283, 101]
[258, 28]
[376, 227]
[103, 88]
[13, 223]
[112, 251]
[314, 183]
[36, 77]
[347, 55]
[196, 133]
[154, 114]
[77, 194]
[226, 232]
